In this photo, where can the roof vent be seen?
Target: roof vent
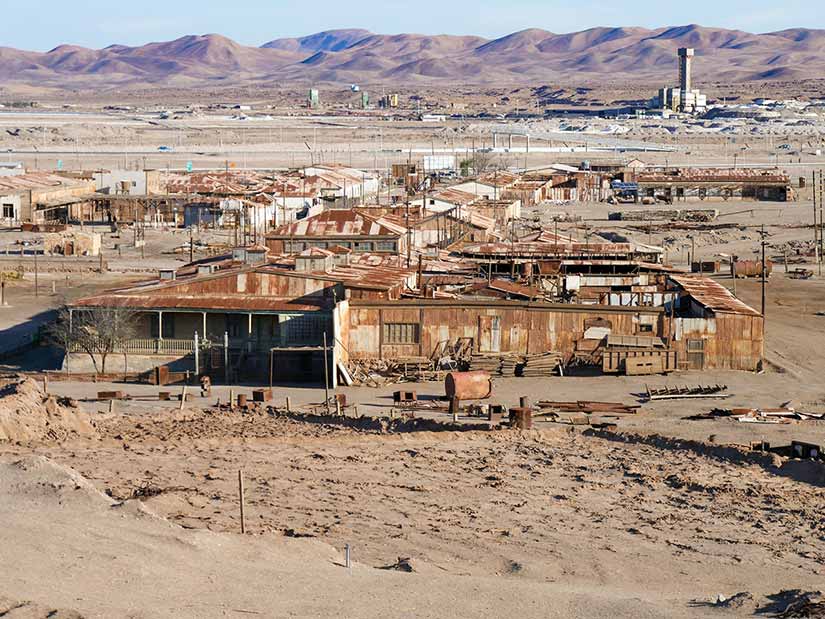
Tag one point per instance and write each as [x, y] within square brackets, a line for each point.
[256, 254]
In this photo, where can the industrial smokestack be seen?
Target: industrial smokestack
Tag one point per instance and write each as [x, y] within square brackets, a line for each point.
[686, 55]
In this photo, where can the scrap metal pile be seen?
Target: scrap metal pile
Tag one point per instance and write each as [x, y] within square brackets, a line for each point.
[380, 372]
[688, 215]
[780, 415]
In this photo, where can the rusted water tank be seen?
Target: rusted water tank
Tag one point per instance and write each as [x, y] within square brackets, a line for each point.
[751, 268]
[468, 385]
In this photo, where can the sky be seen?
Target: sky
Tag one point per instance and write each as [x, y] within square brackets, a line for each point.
[43, 24]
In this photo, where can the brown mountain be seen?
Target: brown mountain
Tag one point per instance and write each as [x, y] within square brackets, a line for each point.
[355, 55]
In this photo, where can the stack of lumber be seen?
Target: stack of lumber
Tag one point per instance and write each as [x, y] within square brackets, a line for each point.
[544, 364]
[510, 364]
[486, 361]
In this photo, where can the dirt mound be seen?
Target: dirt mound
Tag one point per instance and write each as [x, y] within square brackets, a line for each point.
[29, 415]
[12, 609]
[253, 422]
[210, 423]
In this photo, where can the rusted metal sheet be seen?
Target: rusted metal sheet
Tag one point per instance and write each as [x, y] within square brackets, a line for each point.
[750, 268]
[717, 175]
[712, 295]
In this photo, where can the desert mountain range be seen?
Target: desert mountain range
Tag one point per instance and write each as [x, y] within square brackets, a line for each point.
[360, 56]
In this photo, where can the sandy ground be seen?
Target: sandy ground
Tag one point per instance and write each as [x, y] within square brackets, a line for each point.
[542, 524]
[120, 560]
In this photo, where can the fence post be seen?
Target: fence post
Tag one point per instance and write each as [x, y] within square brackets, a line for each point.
[226, 356]
[197, 364]
[241, 498]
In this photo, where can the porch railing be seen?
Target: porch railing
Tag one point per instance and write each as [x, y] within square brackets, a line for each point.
[150, 346]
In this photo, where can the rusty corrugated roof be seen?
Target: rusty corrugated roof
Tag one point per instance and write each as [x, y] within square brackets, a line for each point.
[712, 295]
[713, 175]
[336, 222]
[37, 180]
[204, 302]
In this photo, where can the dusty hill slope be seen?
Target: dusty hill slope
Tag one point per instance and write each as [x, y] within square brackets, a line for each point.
[75, 548]
[355, 55]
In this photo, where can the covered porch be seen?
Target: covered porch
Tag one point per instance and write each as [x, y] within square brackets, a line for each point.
[235, 346]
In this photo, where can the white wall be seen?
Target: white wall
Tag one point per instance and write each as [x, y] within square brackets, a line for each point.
[479, 189]
[14, 200]
[108, 182]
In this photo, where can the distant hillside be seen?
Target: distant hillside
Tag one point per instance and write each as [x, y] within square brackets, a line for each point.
[355, 55]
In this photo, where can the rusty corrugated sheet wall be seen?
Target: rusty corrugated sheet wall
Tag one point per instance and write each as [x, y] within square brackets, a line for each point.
[524, 329]
[730, 341]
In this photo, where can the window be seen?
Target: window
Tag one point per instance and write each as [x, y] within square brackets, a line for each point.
[645, 328]
[401, 333]
[8, 211]
[305, 329]
[363, 246]
[385, 246]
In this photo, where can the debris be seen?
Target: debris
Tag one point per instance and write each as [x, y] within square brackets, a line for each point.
[737, 600]
[800, 273]
[381, 372]
[588, 408]
[404, 564]
[677, 393]
[759, 415]
[797, 603]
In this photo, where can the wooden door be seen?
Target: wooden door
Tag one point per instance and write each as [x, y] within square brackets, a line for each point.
[489, 334]
[696, 354]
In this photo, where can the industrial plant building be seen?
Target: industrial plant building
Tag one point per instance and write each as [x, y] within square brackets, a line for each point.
[684, 99]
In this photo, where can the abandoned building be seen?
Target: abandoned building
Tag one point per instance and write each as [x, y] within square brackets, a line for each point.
[41, 197]
[683, 184]
[267, 315]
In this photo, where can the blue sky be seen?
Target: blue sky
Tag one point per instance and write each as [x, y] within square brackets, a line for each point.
[43, 24]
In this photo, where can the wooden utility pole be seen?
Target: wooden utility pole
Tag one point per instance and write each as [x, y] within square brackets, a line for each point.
[817, 227]
[764, 271]
[821, 231]
[813, 195]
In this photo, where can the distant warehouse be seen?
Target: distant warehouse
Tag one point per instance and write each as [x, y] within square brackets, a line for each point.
[682, 184]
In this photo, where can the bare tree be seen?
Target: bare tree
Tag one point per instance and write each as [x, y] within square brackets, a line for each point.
[96, 331]
[483, 161]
